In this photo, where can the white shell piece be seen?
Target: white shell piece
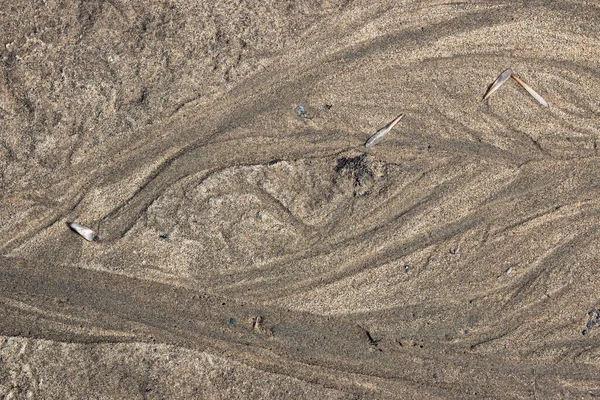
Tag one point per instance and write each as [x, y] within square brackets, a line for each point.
[498, 82]
[377, 137]
[531, 91]
[84, 231]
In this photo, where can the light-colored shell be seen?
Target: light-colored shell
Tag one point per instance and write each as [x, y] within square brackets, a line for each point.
[531, 91]
[498, 82]
[377, 137]
[84, 231]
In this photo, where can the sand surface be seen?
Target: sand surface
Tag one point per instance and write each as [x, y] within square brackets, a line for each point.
[250, 246]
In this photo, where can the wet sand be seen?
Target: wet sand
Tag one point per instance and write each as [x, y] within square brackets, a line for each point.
[250, 246]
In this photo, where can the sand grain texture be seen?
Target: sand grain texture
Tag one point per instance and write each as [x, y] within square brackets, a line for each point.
[248, 250]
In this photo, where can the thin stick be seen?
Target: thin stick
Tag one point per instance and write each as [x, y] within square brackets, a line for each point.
[531, 91]
[377, 137]
[498, 82]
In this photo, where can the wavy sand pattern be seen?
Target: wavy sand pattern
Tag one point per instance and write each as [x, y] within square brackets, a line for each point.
[249, 250]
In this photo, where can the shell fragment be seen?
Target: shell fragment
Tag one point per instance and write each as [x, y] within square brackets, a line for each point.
[378, 137]
[531, 91]
[498, 82]
[84, 231]
[504, 77]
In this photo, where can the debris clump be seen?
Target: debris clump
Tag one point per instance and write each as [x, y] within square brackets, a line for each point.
[355, 167]
[593, 321]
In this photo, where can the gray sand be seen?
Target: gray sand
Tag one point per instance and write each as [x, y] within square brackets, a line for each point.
[249, 250]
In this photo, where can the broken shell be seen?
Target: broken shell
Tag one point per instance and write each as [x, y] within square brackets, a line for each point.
[378, 136]
[531, 91]
[498, 82]
[84, 231]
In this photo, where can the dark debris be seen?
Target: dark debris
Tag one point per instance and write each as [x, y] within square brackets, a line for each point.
[593, 321]
[356, 167]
